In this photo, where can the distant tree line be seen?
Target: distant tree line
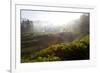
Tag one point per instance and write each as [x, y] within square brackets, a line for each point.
[26, 26]
[80, 26]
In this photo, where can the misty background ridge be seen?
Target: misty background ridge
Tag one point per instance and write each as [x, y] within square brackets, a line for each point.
[78, 25]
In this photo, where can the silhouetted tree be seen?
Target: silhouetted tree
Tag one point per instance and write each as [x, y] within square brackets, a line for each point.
[84, 24]
[26, 26]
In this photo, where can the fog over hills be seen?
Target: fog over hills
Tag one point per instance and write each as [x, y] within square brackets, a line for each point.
[80, 25]
[41, 26]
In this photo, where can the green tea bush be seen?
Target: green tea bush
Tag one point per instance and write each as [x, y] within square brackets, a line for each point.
[75, 50]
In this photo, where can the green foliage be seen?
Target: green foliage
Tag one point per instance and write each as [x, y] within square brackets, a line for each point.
[76, 50]
[48, 58]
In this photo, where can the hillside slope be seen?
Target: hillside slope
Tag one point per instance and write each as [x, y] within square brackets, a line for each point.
[75, 50]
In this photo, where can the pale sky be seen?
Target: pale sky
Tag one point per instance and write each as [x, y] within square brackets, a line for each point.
[56, 18]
